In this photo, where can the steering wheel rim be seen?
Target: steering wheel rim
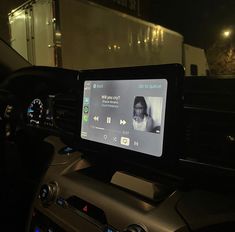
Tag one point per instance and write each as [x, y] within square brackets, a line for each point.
[8, 114]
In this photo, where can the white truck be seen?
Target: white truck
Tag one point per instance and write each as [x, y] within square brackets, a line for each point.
[79, 34]
[195, 61]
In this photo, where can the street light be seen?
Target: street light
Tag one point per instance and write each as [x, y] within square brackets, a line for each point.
[227, 33]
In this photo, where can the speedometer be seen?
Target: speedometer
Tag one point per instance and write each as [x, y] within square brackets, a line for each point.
[35, 111]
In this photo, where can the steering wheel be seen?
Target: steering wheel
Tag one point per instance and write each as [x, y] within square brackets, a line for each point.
[17, 162]
[24, 154]
[8, 114]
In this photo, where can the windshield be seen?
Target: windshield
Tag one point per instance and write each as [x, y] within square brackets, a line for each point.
[79, 34]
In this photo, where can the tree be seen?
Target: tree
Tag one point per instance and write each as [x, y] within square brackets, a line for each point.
[221, 57]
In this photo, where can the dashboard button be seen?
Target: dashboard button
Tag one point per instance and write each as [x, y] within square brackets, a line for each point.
[135, 228]
[61, 202]
[48, 193]
[109, 229]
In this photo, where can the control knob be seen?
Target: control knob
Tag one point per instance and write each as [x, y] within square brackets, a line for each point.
[48, 193]
[135, 228]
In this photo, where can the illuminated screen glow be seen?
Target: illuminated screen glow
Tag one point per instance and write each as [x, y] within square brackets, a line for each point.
[129, 114]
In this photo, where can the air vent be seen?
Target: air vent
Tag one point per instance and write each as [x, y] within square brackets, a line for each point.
[217, 94]
[209, 117]
[225, 226]
[65, 113]
[209, 137]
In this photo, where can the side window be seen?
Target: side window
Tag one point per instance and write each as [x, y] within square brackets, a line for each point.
[193, 70]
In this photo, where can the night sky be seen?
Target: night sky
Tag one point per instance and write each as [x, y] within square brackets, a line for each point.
[200, 22]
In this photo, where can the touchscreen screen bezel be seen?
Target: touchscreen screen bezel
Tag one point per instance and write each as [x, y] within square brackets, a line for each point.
[173, 73]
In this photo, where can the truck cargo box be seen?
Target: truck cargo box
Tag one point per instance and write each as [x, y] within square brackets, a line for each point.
[79, 34]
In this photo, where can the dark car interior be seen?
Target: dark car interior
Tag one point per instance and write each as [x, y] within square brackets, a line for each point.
[62, 172]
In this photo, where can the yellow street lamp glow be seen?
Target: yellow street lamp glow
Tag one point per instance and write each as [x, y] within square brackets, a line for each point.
[226, 33]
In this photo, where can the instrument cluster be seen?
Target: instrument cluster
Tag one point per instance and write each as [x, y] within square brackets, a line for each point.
[40, 112]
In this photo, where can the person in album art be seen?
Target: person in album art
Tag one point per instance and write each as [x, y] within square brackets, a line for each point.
[141, 120]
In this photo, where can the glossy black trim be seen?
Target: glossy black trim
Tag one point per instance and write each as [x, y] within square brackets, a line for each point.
[173, 73]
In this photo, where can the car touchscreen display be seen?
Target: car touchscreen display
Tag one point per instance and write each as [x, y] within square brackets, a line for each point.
[129, 114]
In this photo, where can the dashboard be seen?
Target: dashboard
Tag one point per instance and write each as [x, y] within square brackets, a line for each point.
[99, 113]
[89, 181]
